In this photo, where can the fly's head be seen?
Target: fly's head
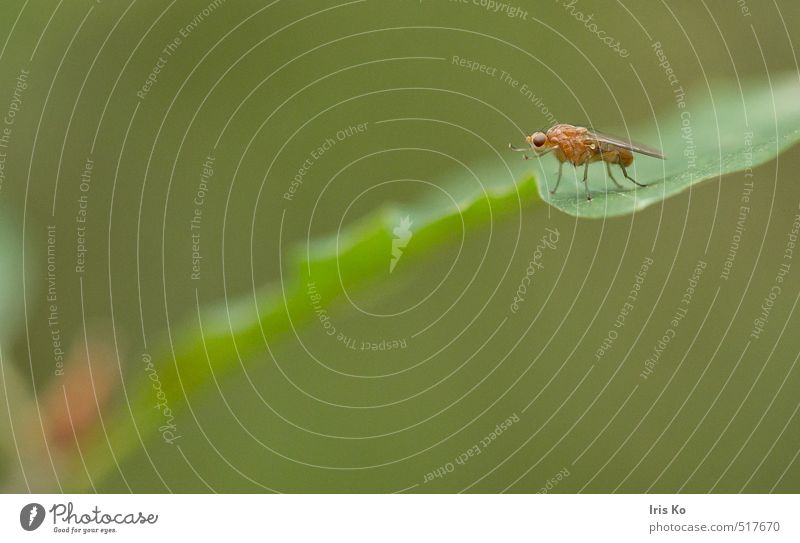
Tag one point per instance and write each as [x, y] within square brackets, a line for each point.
[538, 142]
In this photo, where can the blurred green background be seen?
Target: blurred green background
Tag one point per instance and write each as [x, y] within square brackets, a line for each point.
[261, 86]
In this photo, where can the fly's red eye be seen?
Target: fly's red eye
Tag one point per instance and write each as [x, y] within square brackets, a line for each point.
[539, 139]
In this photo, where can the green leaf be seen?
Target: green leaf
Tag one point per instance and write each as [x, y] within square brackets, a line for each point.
[233, 331]
[719, 131]
[723, 143]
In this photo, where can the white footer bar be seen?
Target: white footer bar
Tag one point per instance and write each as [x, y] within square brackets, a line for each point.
[354, 518]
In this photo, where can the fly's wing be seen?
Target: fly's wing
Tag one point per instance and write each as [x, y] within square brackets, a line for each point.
[625, 144]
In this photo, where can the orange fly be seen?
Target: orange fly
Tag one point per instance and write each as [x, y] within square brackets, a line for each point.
[581, 146]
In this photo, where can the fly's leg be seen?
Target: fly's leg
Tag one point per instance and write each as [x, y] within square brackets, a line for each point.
[611, 176]
[625, 173]
[586, 181]
[560, 168]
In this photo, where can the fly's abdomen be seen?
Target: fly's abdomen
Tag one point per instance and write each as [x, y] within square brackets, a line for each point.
[625, 157]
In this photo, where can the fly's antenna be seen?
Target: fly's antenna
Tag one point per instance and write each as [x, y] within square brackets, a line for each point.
[519, 150]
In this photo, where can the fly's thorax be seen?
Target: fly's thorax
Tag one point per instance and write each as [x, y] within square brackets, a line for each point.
[563, 132]
[567, 140]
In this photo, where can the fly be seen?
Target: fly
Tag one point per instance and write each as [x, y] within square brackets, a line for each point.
[581, 146]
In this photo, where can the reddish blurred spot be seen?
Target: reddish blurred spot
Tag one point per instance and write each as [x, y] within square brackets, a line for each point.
[70, 405]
